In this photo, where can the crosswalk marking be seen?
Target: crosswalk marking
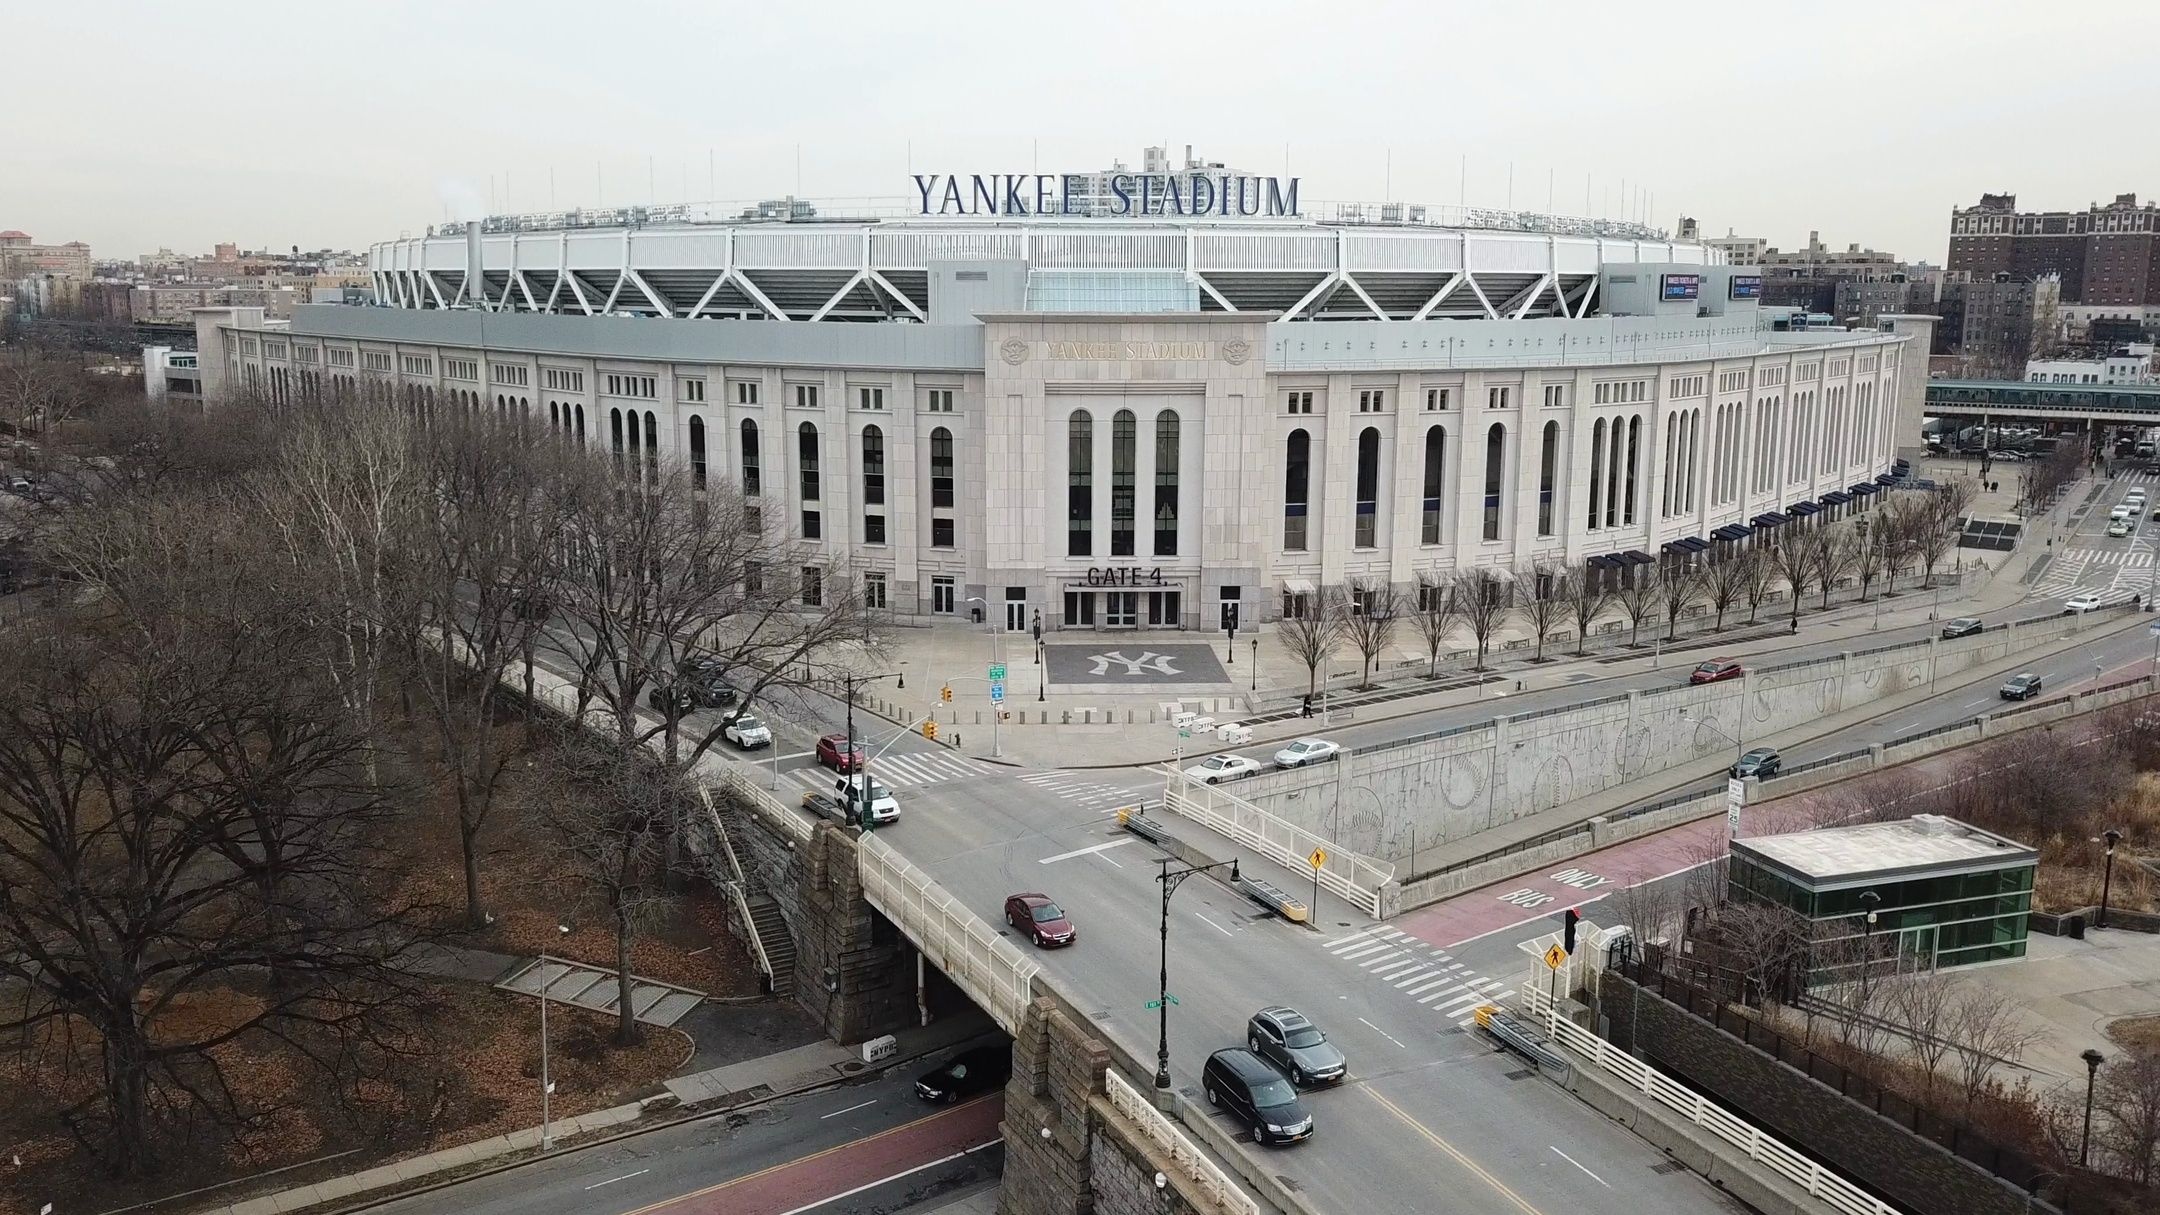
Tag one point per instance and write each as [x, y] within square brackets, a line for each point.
[1457, 1002]
[1082, 788]
[1390, 971]
[1364, 948]
[897, 771]
[1430, 976]
[1406, 978]
[1340, 943]
[1369, 963]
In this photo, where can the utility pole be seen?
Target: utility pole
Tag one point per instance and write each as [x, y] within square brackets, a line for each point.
[1171, 879]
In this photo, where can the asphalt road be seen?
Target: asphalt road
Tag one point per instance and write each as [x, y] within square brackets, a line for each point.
[863, 1149]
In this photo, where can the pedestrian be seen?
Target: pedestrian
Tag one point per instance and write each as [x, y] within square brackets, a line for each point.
[1305, 708]
[1795, 629]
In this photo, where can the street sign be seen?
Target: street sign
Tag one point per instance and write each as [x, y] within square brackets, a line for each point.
[1318, 857]
[1184, 731]
[2153, 628]
[1735, 797]
[997, 691]
[997, 672]
[1555, 957]
[1155, 1004]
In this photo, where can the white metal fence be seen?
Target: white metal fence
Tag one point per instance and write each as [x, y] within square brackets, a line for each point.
[1358, 880]
[989, 968]
[1190, 1160]
[1820, 1183]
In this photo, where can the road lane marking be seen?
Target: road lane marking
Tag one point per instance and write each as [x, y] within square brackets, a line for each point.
[1359, 951]
[1580, 903]
[1383, 1033]
[1410, 977]
[1382, 960]
[962, 1154]
[1359, 935]
[612, 1180]
[1104, 847]
[849, 1110]
[1444, 1009]
[1391, 969]
[1431, 1137]
[948, 1112]
[1579, 1164]
[1212, 924]
[1429, 984]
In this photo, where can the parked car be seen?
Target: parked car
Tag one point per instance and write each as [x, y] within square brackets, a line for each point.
[826, 806]
[1715, 670]
[2156, 516]
[2121, 512]
[748, 732]
[884, 807]
[1041, 920]
[20, 486]
[2118, 529]
[705, 675]
[674, 700]
[972, 1072]
[1256, 1094]
[1296, 1047]
[1307, 751]
[1217, 768]
[1760, 762]
[2022, 686]
[835, 752]
[1963, 626]
[2079, 604]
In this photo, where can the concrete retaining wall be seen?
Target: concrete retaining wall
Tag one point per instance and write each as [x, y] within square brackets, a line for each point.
[1454, 784]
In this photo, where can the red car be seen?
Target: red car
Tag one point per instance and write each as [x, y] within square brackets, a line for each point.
[1044, 922]
[834, 752]
[1717, 669]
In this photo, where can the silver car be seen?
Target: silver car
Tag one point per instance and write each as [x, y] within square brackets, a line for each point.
[1307, 751]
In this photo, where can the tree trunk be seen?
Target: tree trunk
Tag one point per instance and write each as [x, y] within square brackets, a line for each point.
[469, 841]
[626, 1028]
[127, 1098]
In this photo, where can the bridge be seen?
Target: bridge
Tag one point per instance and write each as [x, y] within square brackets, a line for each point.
[2017, 398]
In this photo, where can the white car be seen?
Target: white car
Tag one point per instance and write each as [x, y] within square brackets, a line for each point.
[1307, 751]
[1216, 768]
[748, 732]
[2080, 604]
[2118, 529]
[884, 807]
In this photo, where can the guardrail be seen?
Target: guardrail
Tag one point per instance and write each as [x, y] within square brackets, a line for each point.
[952, 937]
[1357, 880]
[1193, 1163]
[738, 888]
[1765, 1149]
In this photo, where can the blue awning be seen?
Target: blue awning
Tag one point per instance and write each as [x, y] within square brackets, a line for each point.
[1769, 518]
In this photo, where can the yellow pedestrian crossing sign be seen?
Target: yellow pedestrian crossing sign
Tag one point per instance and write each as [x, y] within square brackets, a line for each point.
[1555, 957]
[1318, 857]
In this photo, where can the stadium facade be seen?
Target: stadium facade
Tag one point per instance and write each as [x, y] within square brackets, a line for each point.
[1139, 420]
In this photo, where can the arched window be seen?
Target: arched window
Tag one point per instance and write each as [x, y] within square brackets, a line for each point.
[581, 425]
[806, 460]
[615, 432]
[752, 482]
[1166, 483]
[1495, 477]
[1597, 471]
[652, 449]
[697, 453]
[1548, 478]
[1297, 489]
[941, 469]
[1367, 510]
[1123, 492]
[873, 478]
[554, 416]
[1435, 482]
[1634, 467]
[1080, 484]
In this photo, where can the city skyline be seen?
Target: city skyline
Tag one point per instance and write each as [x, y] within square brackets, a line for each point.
[304, 151]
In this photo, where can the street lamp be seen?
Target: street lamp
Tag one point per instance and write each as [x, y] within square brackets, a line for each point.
[547, 1085]
[862, 770]
[1256, 664]
[1042, 676]
[997, 707]
[1706, 723]
[2093, 1059]
[2107, 875]
[1868, 900]
[1171, 879]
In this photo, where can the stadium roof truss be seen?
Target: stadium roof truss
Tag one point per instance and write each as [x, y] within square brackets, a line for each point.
[875, 271]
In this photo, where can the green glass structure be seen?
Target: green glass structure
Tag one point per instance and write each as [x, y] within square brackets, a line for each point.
[1943, 893]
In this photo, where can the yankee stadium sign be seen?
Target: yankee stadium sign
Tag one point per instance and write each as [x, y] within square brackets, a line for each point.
[1116, 194]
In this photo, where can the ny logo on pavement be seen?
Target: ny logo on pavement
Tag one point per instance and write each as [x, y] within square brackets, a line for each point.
[1148, 661]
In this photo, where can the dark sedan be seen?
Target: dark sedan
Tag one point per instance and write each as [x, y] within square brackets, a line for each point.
[1044, 922]
[970, 1073]
[1716, 670]
[1963, 626]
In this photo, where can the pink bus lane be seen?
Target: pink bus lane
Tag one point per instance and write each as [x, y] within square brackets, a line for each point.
[1544, 893]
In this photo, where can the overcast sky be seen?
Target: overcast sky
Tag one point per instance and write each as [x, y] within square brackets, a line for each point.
[339, 124]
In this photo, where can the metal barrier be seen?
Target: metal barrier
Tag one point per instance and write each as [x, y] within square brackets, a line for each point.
[1274, 898]
[1819, 1182]
[989, 968]
[738, 888]
[1355, 879]
[1213, 1183]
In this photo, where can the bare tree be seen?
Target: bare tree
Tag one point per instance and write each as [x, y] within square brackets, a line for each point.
[1759, 575]
[1935, 534]
[2130, 1100]
[1375, 605]
[1586, 596]
[1985, 1032]
[41, 389]
[1766, 940]
[1545, 608]
[1438, 613]
[1922, 1002]
[1724, 581]
[1639, 597]
[1793, 557]
[1311, 635]
[1680, 589]
[604, 812]
[1485, 594]
[1835, 558]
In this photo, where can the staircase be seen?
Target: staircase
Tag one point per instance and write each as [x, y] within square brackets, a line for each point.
[770, 942]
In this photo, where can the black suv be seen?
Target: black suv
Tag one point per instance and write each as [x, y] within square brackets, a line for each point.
[1283, 1037]
[2021, 687]
[1760, 762]
[1241, 1082]
[702, 679]
[1963, 626]
[969, 1073]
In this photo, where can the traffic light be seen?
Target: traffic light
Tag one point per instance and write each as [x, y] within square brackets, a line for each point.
[929, 730]
[945, 693]
[1567, 939]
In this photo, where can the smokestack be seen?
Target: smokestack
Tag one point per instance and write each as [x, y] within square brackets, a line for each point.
[475, 282]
